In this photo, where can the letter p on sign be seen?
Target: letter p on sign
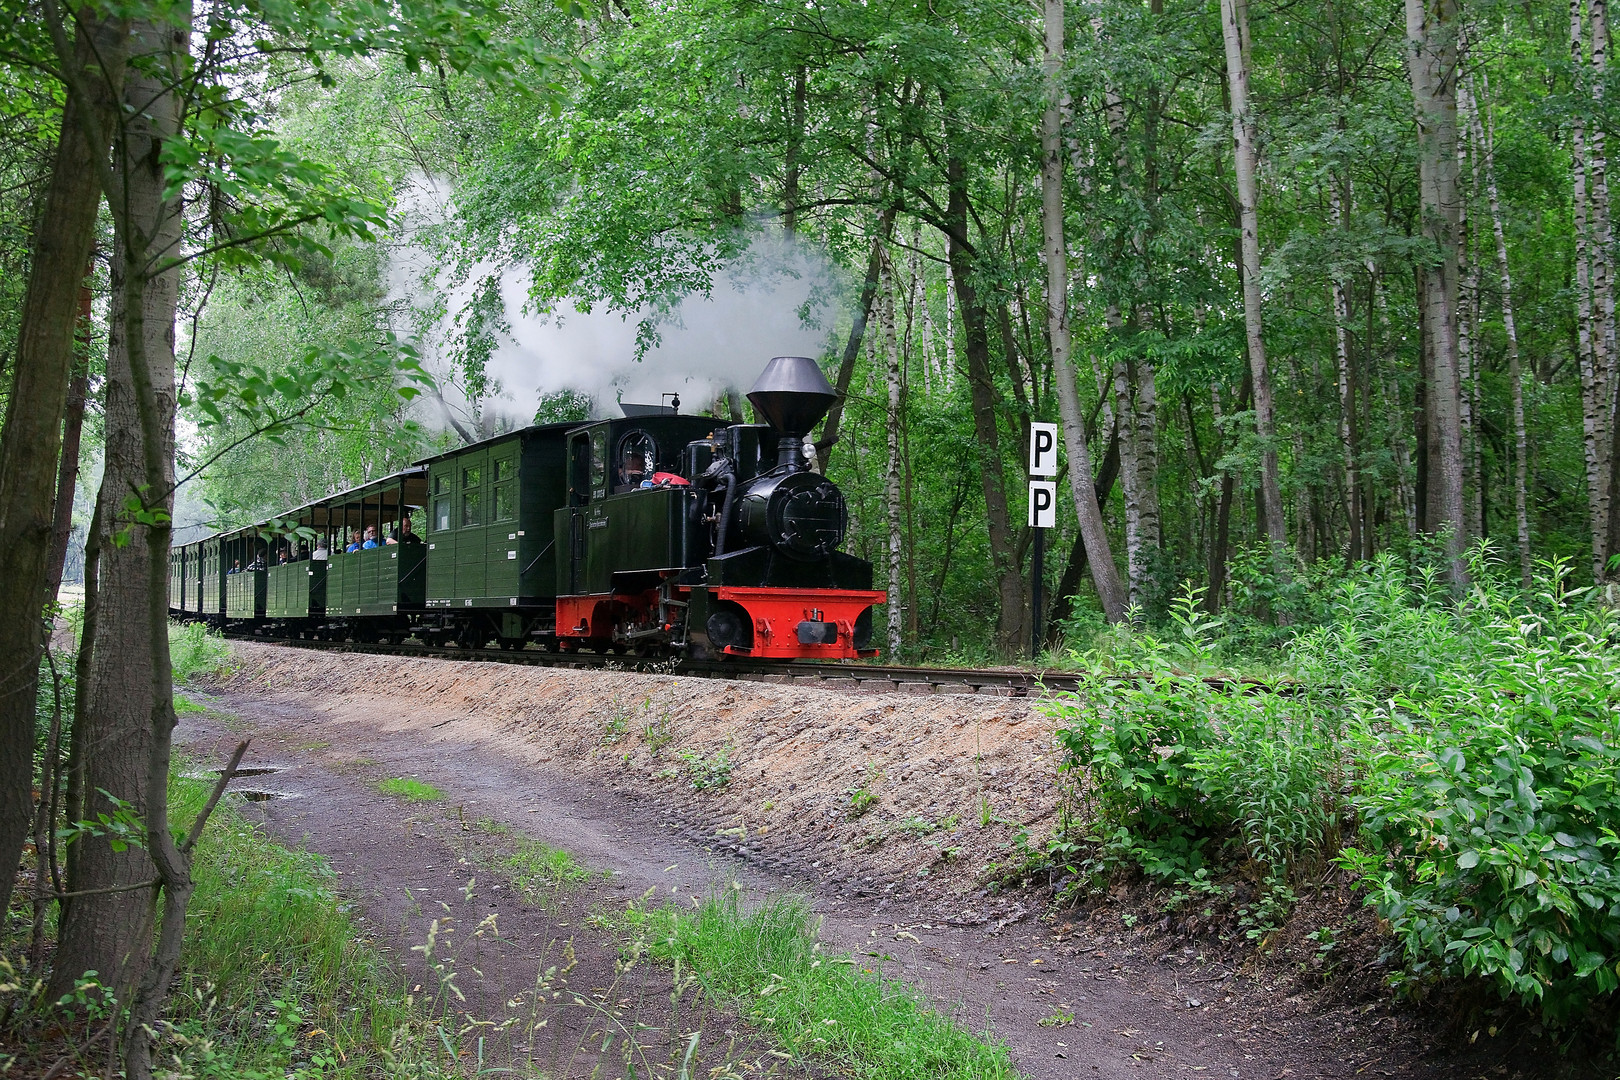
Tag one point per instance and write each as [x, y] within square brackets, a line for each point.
[1043, 458]
[1042, 504]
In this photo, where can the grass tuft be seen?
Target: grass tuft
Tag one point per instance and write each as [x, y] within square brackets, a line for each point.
[410, 790]
[768, 964]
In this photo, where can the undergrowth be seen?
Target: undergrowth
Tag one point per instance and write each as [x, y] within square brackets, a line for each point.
[277, 982]
[768, 964]
[1458, 757]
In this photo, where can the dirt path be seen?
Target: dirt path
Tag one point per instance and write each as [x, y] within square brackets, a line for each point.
[603, 765]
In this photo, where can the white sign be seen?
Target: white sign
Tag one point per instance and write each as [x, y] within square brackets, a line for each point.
[1043, 450]
[1042, 504]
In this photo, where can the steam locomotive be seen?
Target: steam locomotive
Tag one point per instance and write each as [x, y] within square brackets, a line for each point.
[656, 533]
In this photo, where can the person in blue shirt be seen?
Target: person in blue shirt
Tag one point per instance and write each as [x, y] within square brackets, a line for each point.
[371, 538]
[354, 542]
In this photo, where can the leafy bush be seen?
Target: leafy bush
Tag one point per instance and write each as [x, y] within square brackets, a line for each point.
[196, 650]
[1177, 762]
[1490, 803]
[1473, 742]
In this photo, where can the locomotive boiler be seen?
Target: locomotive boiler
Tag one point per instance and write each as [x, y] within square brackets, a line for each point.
[655, 532]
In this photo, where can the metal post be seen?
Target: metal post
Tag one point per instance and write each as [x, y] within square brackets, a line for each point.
[1036, 574]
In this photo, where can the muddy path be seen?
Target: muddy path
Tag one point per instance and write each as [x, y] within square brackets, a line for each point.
[605, 767]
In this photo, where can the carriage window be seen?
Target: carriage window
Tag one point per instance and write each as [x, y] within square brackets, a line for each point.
[441, 483]
[472, 477]
[505, 503]
[441, 514]
[469, 509]
[636, 461]
[504, 469]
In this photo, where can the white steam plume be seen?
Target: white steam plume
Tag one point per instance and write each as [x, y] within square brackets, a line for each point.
[781, 299]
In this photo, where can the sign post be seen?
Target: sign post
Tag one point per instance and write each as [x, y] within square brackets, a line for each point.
[1043, 462]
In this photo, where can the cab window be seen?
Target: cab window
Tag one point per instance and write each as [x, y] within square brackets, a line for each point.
[635, 460]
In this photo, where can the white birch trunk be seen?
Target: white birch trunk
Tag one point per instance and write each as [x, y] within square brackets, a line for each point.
[1467, 329]
[1486, 138]
[1432, 65]
[1347, 394]
[1235, 32]
[1593, 376]
[1099, 555]
[891, 486]
[1603, 357]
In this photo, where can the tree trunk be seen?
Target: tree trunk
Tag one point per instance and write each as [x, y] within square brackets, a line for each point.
[1235, 31]
[891, 487]
[67, 473]
[1221, 544]
[1467, 337]
[1347, 390]
[1485, 136]
[795, 146]
[1124, 411]
[30, 442]
[1093, 532]
[1604, 361]
[130, 706]
[1431, 29]
[1004, 565]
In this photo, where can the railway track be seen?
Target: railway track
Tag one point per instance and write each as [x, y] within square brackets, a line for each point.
[871, 678]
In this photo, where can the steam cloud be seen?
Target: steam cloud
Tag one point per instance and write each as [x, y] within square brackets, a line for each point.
[706, 346]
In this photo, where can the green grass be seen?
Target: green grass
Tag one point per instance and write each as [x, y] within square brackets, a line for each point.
[410, 790]
[534, 868]
[276, 979]
[184, 705]
[768, 964]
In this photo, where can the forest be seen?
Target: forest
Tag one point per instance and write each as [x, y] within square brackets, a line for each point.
[1321, 297]
[1254, 356]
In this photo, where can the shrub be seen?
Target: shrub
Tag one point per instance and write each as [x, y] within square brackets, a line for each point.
[196, 650]
[1177, 763]
[1489, 803]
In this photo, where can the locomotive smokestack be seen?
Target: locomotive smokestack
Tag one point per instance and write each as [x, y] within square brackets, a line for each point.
[792, 395]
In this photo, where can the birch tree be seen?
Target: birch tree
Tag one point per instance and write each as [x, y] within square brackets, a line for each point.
[1099, 557]
[1235, 35]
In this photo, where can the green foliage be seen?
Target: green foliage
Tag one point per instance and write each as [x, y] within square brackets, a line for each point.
[708, 773]
[768, 964]
[1489, 799]
[1181, 767]
[195, 650]
[410, 790]
[1467, 749]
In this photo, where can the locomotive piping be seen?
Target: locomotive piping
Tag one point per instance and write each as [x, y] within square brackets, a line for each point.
[730, 479]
